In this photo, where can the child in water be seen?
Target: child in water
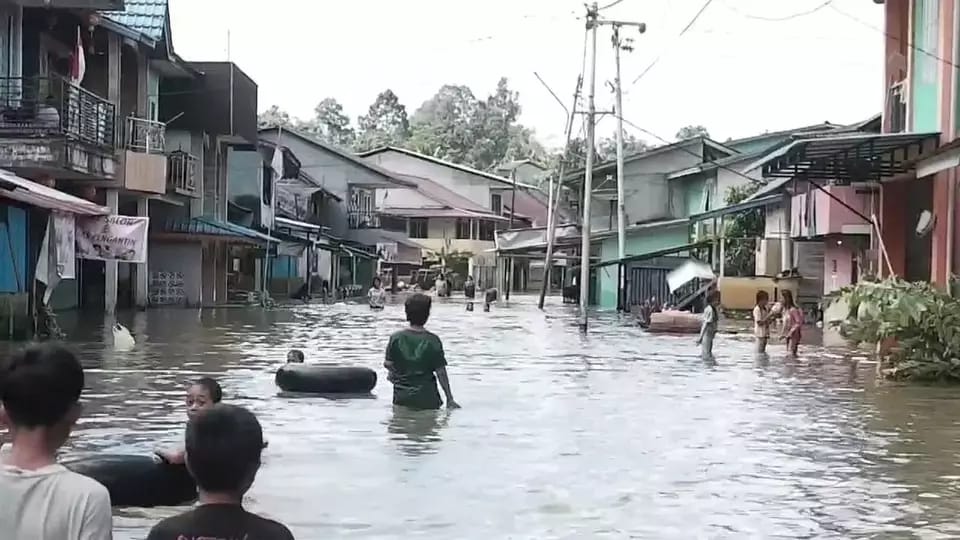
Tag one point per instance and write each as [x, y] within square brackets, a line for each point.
[415, 361]
[201, 395]
[708, 329]
[792, 322]
[377, 296]
[761, 321]
[469, 291]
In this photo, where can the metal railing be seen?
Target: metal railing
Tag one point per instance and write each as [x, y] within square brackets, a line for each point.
[363, 220]
[53, 106]
[183, 171]
[145, 136]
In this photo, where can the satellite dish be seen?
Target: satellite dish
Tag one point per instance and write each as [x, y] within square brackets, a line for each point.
[925, 223]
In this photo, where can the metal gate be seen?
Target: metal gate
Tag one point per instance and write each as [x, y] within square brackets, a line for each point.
[648, 279]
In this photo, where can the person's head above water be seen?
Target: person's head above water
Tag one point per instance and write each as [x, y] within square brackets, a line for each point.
[417, 307]
[40, 390]
[295, 356]
[762, 298]
[377, 282]
[204, 393]
[223, 448]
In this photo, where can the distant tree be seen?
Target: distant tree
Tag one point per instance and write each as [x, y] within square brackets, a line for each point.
[385, 124]
[743, 231]
[523, 144]
[607, 147]
[689, 132]
[274, 116]
[444, 125]
[330, 124]
[492, 125]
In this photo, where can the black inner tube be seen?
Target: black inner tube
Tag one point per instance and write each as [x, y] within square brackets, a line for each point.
[137, 480]
[326, 379]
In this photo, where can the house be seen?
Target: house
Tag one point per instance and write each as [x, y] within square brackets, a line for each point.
[658, 200]
[345, 209]
[920, 93]
[526, 171]
[487, 191]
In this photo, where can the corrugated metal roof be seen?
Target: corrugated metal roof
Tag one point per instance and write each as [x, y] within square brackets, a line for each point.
[32, 193]
[148, 17]
[209, 226]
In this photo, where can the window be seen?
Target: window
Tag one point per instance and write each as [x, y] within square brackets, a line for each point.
[486, 230]
[463, 229]
[418, 228]
[496, 203]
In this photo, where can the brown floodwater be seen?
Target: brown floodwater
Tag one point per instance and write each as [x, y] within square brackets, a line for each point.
[617, 434]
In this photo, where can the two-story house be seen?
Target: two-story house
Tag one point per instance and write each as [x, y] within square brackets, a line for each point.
[486, 196]
[345, 210]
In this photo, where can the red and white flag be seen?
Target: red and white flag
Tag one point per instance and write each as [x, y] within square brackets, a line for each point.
[78, 64]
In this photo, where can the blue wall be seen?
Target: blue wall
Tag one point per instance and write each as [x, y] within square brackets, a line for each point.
[283, 267]
[13, 250]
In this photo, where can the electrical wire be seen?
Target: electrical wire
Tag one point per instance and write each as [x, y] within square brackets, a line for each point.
[610, 5]
[910, 44]
[682, 32]
[783, 18]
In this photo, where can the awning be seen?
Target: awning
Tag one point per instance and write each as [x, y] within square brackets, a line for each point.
[749, 204]
[209, 226]
[41, 196]
[439, 213]
[653, 254]
[295, 224]
[862, 157]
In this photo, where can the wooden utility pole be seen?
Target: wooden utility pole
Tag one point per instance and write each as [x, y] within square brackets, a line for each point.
[513, 210]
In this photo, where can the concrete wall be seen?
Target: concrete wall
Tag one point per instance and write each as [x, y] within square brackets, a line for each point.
[180, 257]
[637, 243]
[825, 215]
[740, 293]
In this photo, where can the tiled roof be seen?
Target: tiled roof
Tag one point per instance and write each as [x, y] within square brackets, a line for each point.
[145, 16]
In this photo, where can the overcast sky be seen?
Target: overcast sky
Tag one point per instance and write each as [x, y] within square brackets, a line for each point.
[740, 70]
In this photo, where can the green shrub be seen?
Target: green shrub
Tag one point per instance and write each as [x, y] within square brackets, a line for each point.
[923, 321]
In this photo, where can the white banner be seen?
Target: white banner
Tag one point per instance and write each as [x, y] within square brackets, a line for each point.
[387, 251]
[65, 234]
[113, 238]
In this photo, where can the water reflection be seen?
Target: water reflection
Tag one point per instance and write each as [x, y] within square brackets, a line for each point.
[611, 434]
[417, 432]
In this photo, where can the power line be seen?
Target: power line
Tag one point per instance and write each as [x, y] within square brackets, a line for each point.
[910, 44]
[783, 18]
[682, 32]
[610, 5]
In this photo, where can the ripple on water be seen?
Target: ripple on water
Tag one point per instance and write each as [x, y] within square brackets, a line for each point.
[616, 434]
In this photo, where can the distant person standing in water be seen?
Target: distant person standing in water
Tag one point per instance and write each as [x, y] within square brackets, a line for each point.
[415, 361]
[708, 328]
[469, 291]
[377, 296]
[761, 322]
[792, 322]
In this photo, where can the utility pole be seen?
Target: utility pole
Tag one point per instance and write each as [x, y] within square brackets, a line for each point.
[553, 198]
[619, 45]
[513, 210]
[584, 281]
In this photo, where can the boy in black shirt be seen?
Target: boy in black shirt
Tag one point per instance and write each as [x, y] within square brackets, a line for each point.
[223, 447]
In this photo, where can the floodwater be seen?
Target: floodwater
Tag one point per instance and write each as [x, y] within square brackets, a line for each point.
[614, 435]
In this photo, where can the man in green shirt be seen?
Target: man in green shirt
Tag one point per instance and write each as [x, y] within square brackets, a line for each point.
[415, 361]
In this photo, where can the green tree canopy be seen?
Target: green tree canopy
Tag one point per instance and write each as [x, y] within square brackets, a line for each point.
[385, 124]
[689, 132]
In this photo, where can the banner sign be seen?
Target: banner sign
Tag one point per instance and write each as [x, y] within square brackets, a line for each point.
[64, 232]
[387, 251]
[113, 238]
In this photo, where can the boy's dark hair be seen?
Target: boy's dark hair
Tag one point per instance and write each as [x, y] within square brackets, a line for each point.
[713, 296]
[762, 295]
[223, 446]
[298, 356]
[39, 385]
[417, 307]
[212, 387]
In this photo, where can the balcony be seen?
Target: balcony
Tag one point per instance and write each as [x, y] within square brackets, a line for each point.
[145, 136]
[52, 106]
[183, 171]
[363, 220]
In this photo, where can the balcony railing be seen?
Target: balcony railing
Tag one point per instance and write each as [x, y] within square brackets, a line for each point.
[145, 136]
[363, 220]
[897, 108]
[53, 106]
[183, 171]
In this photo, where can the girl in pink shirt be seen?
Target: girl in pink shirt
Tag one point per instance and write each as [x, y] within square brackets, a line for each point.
[792, 322]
